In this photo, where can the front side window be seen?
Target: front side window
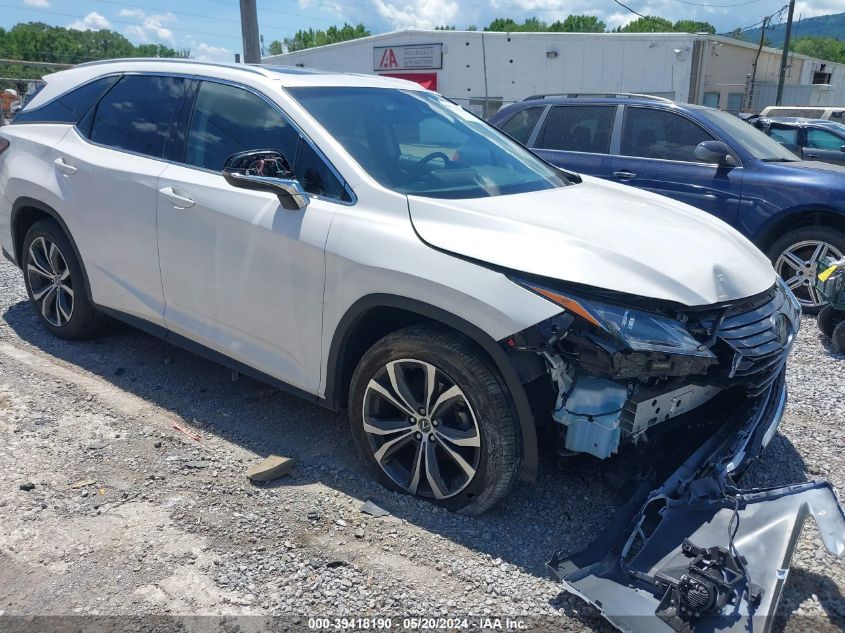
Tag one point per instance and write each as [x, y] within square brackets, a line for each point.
[748, 137]
[519, 126]
[419, 143]
[820, 139]
[70, 107]
[227, 120]
[137, 114]
[578, 129]
[653, 133]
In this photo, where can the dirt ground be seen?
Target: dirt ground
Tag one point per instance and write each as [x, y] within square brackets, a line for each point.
[122, 493]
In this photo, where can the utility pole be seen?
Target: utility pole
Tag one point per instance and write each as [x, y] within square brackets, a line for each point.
[785, 57]
[750, 102]
[249, 30]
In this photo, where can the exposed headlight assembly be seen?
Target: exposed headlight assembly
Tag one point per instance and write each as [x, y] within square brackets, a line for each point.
[637, 330]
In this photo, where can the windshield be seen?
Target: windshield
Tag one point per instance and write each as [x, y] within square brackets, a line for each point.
[419, 143]
[752, 140]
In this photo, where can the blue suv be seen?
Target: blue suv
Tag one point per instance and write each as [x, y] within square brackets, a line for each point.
[793, 210]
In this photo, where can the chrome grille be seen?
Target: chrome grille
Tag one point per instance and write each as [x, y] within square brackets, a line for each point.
[750, 331]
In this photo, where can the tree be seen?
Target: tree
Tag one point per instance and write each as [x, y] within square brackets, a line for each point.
[39, 42]
[648, 24]
[506, 25]
[827, 48]
[311, 38]
[579, 24]
[693, 26]
[444, 28]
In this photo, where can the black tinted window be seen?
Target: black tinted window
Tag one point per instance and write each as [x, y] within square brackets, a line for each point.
[227, 120]
[519, 126]
[578, 129]
[652, 133]
[70, 107]
[136, 115]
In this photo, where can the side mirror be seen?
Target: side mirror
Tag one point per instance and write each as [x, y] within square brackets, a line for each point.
[715, 152]
[266, 170]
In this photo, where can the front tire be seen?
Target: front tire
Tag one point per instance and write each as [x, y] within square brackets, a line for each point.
[795, 256]
[431, 417]
[828, 319]
[55, 283]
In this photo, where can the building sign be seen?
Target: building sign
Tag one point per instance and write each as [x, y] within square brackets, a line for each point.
[408, 57]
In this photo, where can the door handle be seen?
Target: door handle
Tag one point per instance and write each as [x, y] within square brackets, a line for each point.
[180, 200]
[624, 175]
[62, 166]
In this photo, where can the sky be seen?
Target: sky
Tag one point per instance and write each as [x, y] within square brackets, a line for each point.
[211, 28]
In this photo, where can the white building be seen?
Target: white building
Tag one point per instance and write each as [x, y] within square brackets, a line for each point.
[477, 68]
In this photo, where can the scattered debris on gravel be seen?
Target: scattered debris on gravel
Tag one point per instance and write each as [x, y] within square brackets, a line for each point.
[122, 492]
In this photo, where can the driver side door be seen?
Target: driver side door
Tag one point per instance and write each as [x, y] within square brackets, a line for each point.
[242, 274]
[657, 153]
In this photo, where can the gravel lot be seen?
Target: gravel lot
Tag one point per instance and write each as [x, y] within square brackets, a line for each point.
[130, 516]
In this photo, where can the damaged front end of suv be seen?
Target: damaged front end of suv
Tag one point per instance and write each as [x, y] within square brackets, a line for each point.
[622, 365]
[697, 552]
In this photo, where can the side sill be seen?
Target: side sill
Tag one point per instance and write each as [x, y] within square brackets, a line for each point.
[211, 354]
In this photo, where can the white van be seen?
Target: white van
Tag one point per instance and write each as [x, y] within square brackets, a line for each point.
[834, 113]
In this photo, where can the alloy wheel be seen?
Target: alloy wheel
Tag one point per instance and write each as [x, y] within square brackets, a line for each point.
[797, 266]
[50, 281]
[421, 429]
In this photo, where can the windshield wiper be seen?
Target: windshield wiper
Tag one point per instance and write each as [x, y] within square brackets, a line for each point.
[780, 160]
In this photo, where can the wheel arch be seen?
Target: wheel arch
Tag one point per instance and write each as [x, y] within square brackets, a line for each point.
[374, 316]
[798, 219]
[26, 212]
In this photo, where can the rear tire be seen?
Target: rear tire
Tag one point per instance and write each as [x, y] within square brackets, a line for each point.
[795, 255]
[429, 395]
[828, 319]
[56, 284]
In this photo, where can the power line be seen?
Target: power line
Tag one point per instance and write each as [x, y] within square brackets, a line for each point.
[625, 6]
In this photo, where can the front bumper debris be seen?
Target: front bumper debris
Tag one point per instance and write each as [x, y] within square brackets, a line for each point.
[697, 553]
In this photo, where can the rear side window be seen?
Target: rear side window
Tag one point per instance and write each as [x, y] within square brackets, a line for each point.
[70, 107]
[227, 120]
[519, 126]
[578, 129]
[652, 133]
[138, 113]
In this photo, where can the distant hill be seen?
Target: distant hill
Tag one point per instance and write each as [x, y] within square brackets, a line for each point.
[822, 26]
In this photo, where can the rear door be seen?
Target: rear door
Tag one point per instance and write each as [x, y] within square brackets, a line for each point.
[577, 137]
[657, 153]
[107, 168]
[241, 274]
[824, 146]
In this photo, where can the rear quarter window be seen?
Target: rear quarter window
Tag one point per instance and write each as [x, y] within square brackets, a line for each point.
[71, 106]
[520, 125]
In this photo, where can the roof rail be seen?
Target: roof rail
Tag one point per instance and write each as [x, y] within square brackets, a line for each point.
[177, 60]
[608, 95]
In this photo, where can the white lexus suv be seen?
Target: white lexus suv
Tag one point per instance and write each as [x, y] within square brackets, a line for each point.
[371, 245]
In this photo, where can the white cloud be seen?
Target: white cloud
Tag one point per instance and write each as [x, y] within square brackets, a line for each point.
[91, 22]
[150, 28]
[38, 4]
[425, 14]
[207, 53]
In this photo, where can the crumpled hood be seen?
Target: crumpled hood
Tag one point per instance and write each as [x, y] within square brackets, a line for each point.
[604, 235]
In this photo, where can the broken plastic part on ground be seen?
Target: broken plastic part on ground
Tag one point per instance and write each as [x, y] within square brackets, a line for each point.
[698, 553]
